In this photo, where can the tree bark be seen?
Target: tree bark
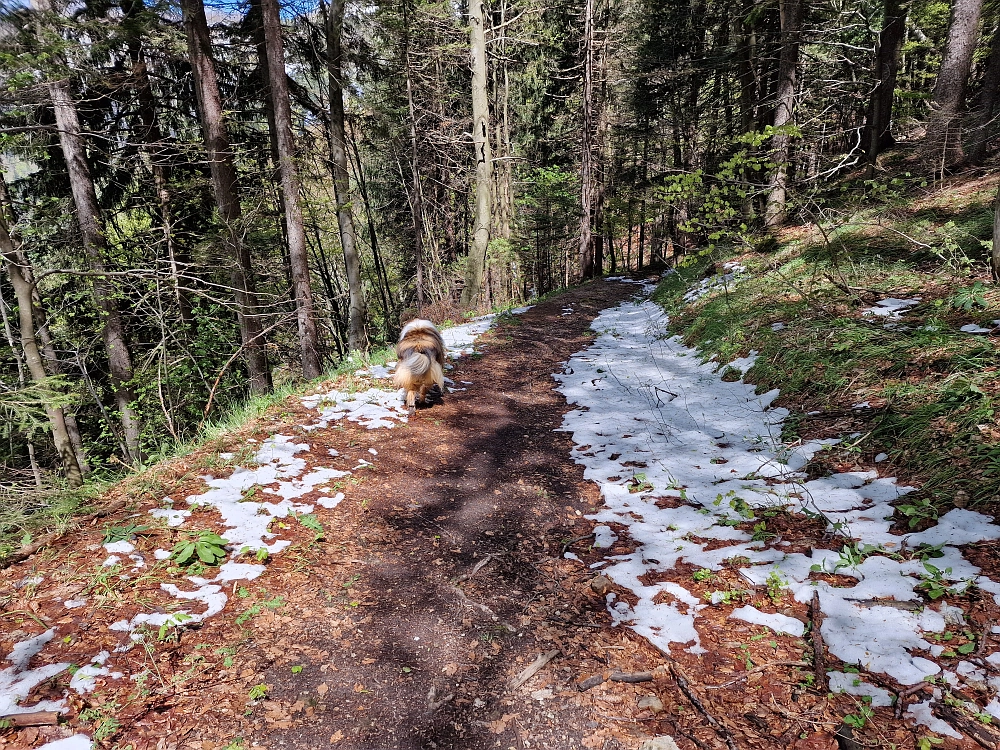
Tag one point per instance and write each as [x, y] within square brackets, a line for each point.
[791, 27]
[995, 252]
[987, 108]
[294, 223]
[155, 149]
[476, 261]
[357, 336]
[586, 252]
[942, 146]
[95, 246]
[223, 171]
[20, 279]
[416, 199]
[877, 136]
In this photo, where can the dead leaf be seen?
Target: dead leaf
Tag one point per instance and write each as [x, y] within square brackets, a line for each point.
[322, 688]
[450, 669]
[336, 737]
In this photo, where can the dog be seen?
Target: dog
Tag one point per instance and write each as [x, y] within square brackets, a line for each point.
[420, 366]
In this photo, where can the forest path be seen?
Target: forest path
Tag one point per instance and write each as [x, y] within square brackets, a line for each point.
[454, 580]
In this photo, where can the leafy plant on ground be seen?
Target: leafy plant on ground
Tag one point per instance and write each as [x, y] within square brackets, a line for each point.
[122, 533]
[206, 546]
[275, 603]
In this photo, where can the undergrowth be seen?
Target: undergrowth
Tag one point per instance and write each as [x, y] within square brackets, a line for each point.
[917, 389]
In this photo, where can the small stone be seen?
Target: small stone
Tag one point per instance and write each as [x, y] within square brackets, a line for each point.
[961, 499]
[651, 702]
[600, 585]
[665, 742]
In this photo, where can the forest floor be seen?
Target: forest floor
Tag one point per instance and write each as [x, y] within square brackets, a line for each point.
[421, 594]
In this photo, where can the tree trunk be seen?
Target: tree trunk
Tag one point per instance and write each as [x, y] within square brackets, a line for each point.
[416, 198]
[89, 217]
[587, 146]
[791, 26]
[987, 109]
[942, 146]
[153, 144]
[357, 337]
[476, 261]
[223, 171]
[995, 253]
[20, 279]
[877, 136]
[294, 223]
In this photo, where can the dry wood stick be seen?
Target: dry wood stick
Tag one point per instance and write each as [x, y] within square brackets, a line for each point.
[34, 719]
[758, 668]
[682, 683]
[533, 668]
[819, 667]
[983, 736]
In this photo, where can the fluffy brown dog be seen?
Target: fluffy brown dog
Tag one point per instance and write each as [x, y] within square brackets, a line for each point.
[421, 361]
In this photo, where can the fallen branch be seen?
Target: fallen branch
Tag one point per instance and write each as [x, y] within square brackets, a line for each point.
[616, 676]
[758, 668]
[533, 668]
[682, 683]
[34, 719]
[985, 737]
[28, 550]
[819, 667]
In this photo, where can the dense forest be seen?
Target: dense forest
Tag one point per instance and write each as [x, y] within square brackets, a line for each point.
[200, 204]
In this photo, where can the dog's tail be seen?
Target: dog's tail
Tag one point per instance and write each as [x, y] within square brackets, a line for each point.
[417, 363]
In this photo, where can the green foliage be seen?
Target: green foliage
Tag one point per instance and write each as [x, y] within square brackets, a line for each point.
[122, 533]
[206, 546]
[23, 409]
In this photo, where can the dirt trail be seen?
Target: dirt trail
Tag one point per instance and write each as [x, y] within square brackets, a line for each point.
[438, 580]
[457, 536]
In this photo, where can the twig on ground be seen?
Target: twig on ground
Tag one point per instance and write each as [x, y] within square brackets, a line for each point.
[571, 542]
[682, 683]
[819, 667]
[476, 568]
[616, 676]
[533, 668]
[977, 731]
[758, 668]
[34, 719]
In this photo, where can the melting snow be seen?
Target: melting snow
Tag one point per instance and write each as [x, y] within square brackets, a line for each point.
[645, 399]
[277, 469]
[891, 308]
[76, 742]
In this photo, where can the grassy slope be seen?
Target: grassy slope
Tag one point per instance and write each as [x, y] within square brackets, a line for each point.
[933, 389]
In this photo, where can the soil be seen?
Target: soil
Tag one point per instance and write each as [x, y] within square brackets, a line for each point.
[440, 578]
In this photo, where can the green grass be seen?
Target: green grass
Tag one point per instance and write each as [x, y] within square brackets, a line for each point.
[936, 389]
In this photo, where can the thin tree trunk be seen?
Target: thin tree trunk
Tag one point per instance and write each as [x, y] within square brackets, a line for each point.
[95, 246]
[942, 146]
[153, 145]
[20, 279]
[791, 25]
[987, 109]
[294, 223]
[476, 261]
[416, 198]
[878, 136]
[587, 266]
[995, 253]
[223, 171]
[357, 339]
